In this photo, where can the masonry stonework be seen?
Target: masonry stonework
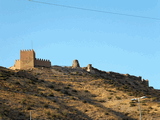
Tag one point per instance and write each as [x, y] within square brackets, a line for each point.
[28, 60]
[42, 63]
[17, 64]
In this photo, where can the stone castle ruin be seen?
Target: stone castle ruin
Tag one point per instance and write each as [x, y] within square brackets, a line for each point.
[123, 78]
[28, 60]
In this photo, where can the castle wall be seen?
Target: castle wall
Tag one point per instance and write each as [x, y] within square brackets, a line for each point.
[129, 78]
[123, 78]
[27, 58]
[17, 64]
[145, 82]
[42, 63]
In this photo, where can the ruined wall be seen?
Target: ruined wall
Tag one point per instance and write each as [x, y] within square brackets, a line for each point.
[42, 63]
[27, 58]
[90, 68]
[75, 64]
[17, 64]
[145, 82]
[123, 78]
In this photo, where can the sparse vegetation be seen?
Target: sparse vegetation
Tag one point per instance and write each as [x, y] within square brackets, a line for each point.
[144, 104]
[86, 91]
[102, 101]
[118, 98]
[50, 86]
[150, 108]
[84, 101]
[66, 96]
[132, 104]
[107, 113]
[109, 97]
[51, 95]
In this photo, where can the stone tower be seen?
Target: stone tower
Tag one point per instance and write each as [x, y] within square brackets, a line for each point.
[75, 64]
[27, 59]
[90, 68]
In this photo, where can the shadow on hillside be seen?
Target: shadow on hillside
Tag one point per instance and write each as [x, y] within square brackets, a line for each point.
[8, 113]
[73, 113]
[87, 99]
[16, 114]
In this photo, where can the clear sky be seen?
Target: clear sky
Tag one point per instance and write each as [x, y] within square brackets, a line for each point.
[109, 42]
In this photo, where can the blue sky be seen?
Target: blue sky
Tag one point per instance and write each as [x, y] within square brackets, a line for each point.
[107, 41]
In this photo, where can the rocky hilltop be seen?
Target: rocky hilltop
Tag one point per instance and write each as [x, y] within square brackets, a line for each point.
[75, 93]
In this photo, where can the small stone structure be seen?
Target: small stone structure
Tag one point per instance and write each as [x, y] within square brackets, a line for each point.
[90, 68]
[75, 64]
[28, 60]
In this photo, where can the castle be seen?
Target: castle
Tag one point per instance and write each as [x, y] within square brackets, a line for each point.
[27, 60]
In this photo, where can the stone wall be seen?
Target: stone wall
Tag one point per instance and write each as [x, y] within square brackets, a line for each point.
[145, 82]
[42, 63]
[28, 60]
[17, 64]
[117, 76]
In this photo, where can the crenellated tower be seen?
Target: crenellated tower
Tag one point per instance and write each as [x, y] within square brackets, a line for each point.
[28, 60]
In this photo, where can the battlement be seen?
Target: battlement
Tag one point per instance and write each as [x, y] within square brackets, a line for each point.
[17, 60]
[28, 60]
[39, 59]
[42, 62]
[26, 50]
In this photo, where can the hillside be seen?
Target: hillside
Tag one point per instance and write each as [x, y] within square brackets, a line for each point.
[65, 93]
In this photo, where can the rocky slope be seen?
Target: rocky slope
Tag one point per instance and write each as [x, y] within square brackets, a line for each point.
[67, 93]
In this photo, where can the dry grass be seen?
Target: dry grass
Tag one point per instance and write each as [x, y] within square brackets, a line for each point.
[50, 95]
